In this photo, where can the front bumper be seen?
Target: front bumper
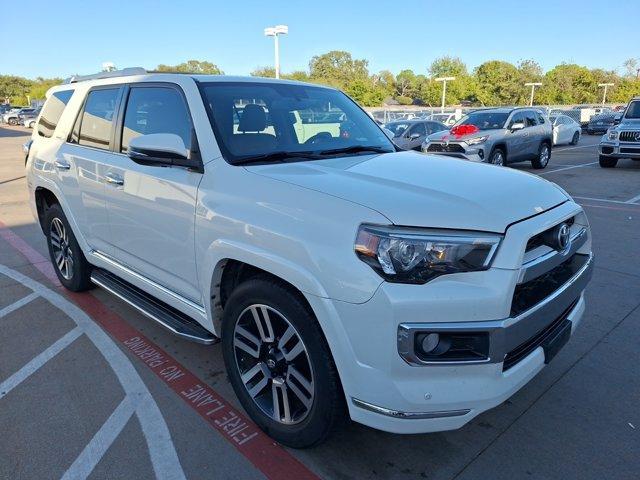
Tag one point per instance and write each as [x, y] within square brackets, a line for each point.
[457, 150]
[620, 149]
[386, 392]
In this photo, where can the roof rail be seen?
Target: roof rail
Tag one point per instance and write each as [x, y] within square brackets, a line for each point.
[125, 72]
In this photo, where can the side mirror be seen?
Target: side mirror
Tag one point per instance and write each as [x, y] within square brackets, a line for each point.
[161, 149]
[517, 126]
[414, 136]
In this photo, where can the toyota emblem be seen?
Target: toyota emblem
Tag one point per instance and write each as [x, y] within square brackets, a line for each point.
[637, 136]
[563, 237]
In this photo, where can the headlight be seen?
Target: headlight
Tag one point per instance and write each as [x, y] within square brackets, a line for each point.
[477, 140]
[414, 255]
[613, 135]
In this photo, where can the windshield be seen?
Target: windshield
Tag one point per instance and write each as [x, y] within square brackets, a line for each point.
[633, 110]
[397, 128]
[276, 120]
[484, 120]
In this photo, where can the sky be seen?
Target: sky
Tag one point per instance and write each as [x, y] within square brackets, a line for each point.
[75, 37]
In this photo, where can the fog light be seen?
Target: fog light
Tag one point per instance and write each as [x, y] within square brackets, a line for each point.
[481, 154]
[430, 342]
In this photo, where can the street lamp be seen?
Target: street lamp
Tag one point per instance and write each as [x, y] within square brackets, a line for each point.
[274, 32]
[533, 86]
[444, 81]
[604, 96]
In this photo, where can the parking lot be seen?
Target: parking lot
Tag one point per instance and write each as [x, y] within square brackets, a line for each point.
[91, 388]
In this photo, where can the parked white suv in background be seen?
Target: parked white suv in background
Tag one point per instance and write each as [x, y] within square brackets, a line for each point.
[413, 291]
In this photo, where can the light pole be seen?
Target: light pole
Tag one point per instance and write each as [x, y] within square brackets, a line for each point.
[604, 96]
[444, 81]
[274, 32]
[533, 86]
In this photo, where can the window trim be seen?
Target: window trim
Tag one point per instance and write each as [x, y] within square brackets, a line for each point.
[80, 114]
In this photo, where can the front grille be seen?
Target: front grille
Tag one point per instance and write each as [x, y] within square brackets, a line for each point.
[630, 136]
[541, 238]
[525, 348]
[528, 294]
[441, 147]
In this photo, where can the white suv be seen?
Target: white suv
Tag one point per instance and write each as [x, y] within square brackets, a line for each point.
[340, 274]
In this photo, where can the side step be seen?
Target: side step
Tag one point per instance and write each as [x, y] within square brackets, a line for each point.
[167, 316]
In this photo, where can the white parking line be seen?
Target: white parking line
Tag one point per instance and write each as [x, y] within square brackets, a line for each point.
[633, 200]
[16, 305]
[573, 148]
[100, 443]
[34, 365]
[600, 199]
[164, 458]
[568, 168]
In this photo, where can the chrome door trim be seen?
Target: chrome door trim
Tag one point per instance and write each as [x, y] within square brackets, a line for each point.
[111, 261]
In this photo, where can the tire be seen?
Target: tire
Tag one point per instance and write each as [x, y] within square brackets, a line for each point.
[13, 121]
[497, 157]
[68, 261]
[280, 310]
[544, 155]
[607, 162]
[575, 139]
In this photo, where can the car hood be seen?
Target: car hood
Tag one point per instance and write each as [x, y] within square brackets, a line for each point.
[630, 123]
[414, 189]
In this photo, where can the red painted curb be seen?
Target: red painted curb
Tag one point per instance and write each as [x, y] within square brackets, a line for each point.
[263, 452]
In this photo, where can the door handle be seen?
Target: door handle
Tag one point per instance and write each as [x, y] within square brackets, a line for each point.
[61, 164]
[114, 179]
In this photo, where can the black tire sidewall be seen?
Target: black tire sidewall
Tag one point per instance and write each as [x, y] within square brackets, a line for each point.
[80, 280]
[494, 152]
[325, 409]
[575, 139]
[607, 162]
[536, 163]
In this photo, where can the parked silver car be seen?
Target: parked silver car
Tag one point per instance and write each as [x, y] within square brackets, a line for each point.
[498, 136]
[623, 140]
[409, 134]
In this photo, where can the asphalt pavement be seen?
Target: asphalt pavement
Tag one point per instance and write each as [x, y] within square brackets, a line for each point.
[90, 388]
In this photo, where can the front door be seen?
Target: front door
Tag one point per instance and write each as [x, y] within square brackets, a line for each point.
[516, 139]
[151, 209]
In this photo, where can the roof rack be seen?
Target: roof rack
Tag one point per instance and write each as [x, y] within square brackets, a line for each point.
[125, 72]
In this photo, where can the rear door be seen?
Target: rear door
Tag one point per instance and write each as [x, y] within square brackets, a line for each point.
[532, 134]
[415, 136]
[151, 208]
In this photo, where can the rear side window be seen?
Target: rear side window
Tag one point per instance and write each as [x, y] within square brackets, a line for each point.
[155, 110]
[52, 112]
[97, 118]
[540, 119]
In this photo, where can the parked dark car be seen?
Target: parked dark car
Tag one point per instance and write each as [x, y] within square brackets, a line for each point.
[601, 123]
[409, 134]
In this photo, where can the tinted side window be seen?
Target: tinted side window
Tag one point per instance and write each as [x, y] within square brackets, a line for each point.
[97, 118]
[419, 129]
[531, 119]
[518, 117]
[52, 112]
[541, 120]
[155, 110]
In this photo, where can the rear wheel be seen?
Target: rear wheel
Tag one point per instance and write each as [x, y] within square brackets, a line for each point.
[279, 364]
[13, 121]
[544, 154]
[575, 139]
[67, 258]
[607, 162]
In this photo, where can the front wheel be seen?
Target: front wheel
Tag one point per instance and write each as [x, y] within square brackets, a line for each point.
[279, 363]
[542, 160]
[497, 157]
[607, 162]
[575, 139]
[68, 261]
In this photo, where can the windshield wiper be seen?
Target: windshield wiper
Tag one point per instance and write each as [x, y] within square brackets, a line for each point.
[280, 156]
[356, 149]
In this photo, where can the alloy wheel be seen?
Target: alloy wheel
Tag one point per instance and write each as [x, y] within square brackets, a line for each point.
[544, 155]
[497, 158]
[62, 254]
[274, 364]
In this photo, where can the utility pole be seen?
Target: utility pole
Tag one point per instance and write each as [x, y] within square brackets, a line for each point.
[604, 96]
[444, 81]
[274, 32]
[533, 86]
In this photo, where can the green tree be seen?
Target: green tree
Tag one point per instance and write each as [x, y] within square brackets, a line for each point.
[14, 89]
[569, 83]
[40, 86]
[530, 71]
[625, 90]
[192, 66]
[267, 72]
[406, 84]
[499, 83]
[298, 75]
[337, 68]
[448, 67]
[631, 67]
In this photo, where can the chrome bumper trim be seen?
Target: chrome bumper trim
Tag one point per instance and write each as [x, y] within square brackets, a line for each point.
[408, 415]
[505, 334]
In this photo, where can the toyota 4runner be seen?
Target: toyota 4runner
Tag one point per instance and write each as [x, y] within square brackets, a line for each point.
[342, 276]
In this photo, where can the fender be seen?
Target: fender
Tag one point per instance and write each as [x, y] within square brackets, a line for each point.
[222, 250]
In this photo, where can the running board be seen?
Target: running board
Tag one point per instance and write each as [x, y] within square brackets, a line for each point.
[167, 316]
